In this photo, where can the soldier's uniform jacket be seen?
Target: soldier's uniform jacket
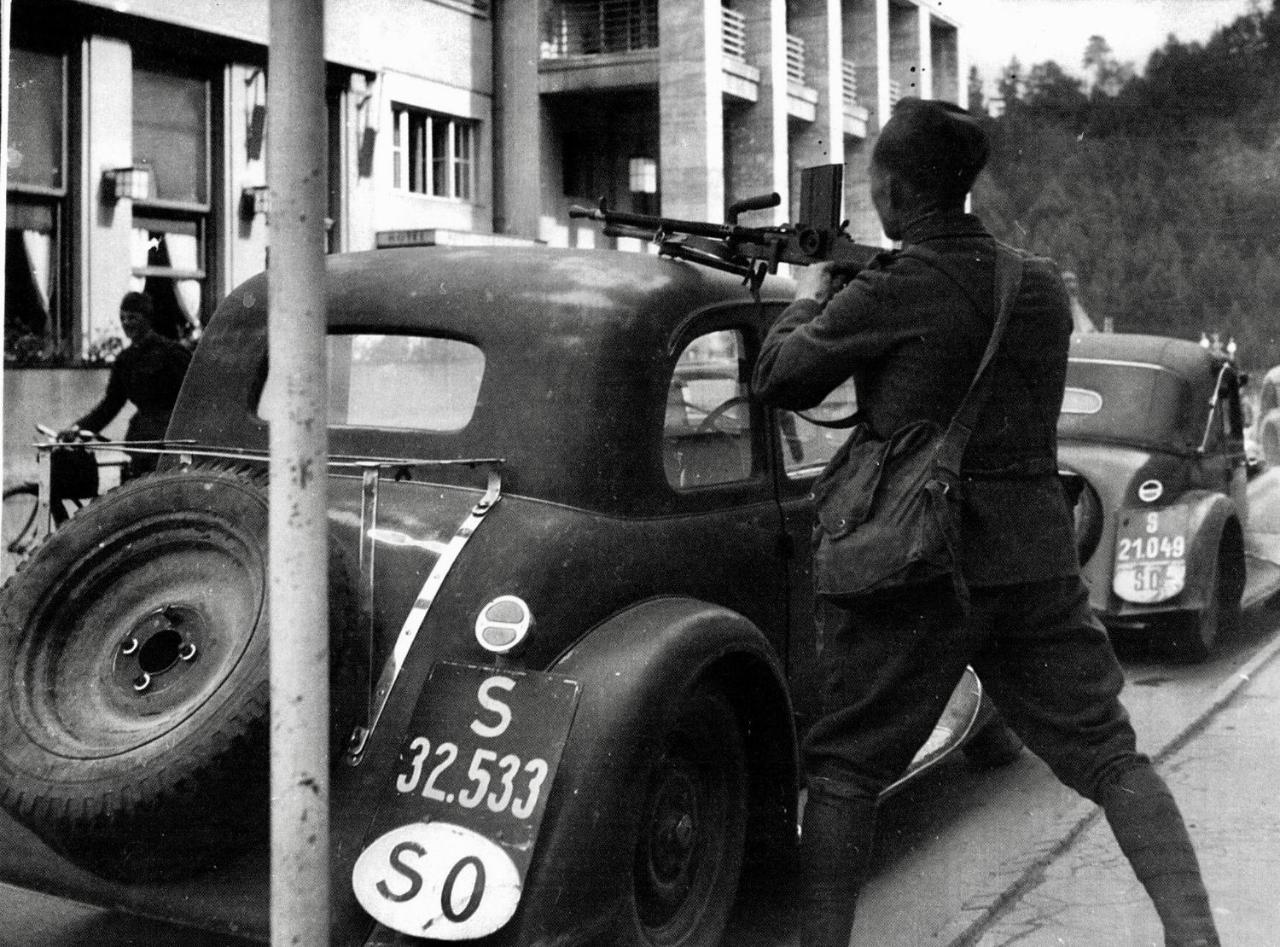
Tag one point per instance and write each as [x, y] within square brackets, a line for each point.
[912, 336]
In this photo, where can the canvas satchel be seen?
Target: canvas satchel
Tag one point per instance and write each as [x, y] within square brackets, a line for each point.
[888, 510]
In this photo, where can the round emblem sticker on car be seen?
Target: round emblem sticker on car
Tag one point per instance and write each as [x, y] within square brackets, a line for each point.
[437, 880]
[1150, 491]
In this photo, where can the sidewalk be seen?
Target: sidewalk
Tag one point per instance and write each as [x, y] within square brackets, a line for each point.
[1224, 770]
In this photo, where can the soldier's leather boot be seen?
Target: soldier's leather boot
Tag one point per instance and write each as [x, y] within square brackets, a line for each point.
[835, 850]
[1147, 824]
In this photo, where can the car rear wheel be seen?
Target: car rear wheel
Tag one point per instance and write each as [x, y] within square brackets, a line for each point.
[691, 832]
[1196, 634]
[133, 669]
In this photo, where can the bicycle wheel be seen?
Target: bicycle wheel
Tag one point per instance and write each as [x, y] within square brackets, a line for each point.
[21, 531]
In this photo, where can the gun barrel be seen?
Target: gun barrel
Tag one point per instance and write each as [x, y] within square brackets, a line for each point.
[652, 224]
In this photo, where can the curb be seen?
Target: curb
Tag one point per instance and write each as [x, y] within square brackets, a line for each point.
[1031, 876]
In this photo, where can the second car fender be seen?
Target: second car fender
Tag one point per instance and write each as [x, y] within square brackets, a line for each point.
[1207, 517]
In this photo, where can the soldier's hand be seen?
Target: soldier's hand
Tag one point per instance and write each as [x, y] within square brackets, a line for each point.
[815, 282]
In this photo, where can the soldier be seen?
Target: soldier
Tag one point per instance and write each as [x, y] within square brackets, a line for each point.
[911, 334]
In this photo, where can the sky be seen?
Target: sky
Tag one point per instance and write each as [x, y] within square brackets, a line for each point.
[994, 31]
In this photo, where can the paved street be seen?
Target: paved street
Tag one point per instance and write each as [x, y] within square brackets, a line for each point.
[973, 859]
[988, 859]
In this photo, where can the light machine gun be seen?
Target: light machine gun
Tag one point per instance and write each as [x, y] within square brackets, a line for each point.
[752, 252]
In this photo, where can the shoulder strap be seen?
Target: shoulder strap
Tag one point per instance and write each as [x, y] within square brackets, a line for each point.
[1008, 279]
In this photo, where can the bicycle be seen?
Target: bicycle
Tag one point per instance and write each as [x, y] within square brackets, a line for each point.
[28, 516]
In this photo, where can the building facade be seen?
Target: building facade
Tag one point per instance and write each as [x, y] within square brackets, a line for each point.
[136, 153]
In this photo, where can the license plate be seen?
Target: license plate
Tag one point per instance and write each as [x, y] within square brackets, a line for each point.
[454, 835]
[1151, 550]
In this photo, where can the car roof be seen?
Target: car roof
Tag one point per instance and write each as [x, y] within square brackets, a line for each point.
[1189, 359]
[578, 346]
[1155, 390]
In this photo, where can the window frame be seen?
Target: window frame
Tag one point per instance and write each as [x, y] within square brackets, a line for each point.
[418, 168]
[61, 334]
[199, 214]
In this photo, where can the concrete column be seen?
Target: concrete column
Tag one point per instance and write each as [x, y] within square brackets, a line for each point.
[908, 49]
[948, 82]
[756, 133]
[103, 262]
[243, 237]
[866, 36]
[691, 108]
[924, 53]
[519, 143]
[822, 141]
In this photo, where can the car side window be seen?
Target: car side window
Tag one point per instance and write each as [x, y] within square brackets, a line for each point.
[807, 445]
[1231, 417]
[706, 434]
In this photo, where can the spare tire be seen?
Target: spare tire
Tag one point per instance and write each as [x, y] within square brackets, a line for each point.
[134, 676]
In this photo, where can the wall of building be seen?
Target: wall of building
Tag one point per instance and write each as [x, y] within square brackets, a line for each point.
[430, 55]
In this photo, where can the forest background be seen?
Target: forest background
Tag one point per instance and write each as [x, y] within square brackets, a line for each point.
[1160, 189]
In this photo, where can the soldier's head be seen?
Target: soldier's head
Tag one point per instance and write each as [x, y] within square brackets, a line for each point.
[926, 159]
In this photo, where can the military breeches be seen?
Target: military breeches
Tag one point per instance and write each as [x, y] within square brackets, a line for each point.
[890, 665]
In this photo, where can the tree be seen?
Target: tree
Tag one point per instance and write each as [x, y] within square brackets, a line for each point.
[1107, 74]
[976, 104]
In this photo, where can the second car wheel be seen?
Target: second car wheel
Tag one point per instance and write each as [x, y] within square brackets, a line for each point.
[691, 830]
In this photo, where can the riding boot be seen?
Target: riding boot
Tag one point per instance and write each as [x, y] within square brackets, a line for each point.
[1147, 824]
[835, 850]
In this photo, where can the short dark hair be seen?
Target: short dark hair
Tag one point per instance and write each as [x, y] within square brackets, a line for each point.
[139, 304]
[937, 147]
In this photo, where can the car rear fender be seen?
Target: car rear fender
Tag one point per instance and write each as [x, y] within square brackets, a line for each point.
[632, 670]
[1210, 516]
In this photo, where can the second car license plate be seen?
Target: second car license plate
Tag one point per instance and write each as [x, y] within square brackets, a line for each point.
[1151, 554]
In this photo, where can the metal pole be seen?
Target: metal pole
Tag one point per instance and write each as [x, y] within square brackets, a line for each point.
[6, 40]
[299, 616]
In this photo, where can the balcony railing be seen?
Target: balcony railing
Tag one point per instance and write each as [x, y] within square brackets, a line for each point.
[597, 27]
[848, 85]
[733, 34]
[795, 59]
[895, 92]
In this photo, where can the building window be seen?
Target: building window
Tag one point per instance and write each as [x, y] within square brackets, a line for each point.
[36, 319]
[433, 154]
[171, 129]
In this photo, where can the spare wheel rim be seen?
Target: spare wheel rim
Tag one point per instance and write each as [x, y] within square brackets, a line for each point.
[139, 637]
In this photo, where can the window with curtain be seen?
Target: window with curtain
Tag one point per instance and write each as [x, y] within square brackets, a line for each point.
[171, 136]
[36, 320]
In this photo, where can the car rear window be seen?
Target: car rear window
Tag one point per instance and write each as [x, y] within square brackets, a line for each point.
[1081, 401]
[408, 382]
[1127, 401]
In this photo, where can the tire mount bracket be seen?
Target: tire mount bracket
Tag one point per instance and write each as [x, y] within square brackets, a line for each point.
[413, 622]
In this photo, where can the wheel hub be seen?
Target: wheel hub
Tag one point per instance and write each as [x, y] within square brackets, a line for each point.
[159, 650]
[673, 841]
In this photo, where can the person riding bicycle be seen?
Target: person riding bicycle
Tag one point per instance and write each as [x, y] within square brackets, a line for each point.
[149, 372]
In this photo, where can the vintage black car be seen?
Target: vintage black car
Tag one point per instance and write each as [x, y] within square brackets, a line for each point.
[573, 635]
[1152, 430]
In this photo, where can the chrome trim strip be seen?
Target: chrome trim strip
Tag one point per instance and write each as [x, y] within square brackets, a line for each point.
[1124, 363]
[369, 480]
[418, 613]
